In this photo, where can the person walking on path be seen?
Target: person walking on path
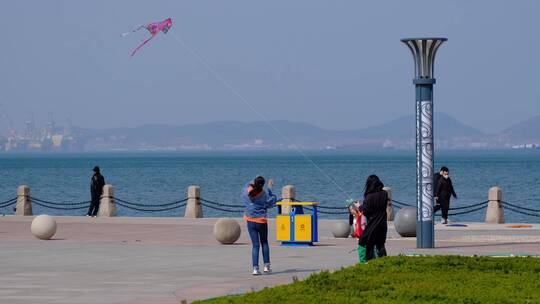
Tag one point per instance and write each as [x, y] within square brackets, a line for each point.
[257, 201]
[374, 209]
[444, 189]
[96, 190]
[436, 178]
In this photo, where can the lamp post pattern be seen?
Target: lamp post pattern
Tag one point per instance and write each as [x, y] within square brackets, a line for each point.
[423, 51]
[425, 161]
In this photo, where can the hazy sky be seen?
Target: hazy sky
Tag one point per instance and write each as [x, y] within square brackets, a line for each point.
[336, 64]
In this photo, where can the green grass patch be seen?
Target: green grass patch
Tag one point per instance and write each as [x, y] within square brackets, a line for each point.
[438, 279]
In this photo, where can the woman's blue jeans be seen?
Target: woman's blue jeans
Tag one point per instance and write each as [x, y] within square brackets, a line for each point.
[259, 236]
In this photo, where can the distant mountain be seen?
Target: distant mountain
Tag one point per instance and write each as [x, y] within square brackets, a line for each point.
[446, 127]
[525, 130]
[278, 134]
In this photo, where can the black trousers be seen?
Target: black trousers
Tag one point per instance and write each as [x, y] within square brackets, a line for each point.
[442, 205]
[94, 207]
[370, 251]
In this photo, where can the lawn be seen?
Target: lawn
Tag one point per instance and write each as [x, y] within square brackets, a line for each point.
[440, 279]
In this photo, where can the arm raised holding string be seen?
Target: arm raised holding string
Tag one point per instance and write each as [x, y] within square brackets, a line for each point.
[271, 198]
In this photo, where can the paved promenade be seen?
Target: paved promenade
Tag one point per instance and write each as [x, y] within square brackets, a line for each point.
[166, 260]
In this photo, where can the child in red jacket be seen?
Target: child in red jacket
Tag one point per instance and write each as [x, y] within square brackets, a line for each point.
[358, 222]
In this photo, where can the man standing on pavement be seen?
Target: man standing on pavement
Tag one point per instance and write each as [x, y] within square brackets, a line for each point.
[436, 178]
[96, 190]
[443, 190]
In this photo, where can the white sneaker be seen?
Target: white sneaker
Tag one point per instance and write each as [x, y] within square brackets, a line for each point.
[256, 271]
[267, 269]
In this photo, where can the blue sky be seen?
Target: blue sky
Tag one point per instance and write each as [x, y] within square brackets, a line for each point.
[336, 64]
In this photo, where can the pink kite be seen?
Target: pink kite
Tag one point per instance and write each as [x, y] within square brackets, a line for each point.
[154, 28]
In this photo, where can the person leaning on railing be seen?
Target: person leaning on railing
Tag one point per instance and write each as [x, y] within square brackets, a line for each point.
[96, 190]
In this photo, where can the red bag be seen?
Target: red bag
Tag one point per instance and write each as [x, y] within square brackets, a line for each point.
[357, 225]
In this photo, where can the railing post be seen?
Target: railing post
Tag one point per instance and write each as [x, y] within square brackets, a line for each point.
[107, 207]
[193, 206]
[389, 207]
[24, 202]
[288, 194]
[494, 212]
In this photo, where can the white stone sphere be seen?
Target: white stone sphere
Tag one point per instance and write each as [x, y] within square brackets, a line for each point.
[405, 222]
[341, 229]
[227, 230]
[43, 227]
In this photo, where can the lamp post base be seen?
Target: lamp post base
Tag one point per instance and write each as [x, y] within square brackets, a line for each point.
[425, 234]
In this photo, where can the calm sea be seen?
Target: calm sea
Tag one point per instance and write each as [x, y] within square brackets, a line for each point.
[163, 178]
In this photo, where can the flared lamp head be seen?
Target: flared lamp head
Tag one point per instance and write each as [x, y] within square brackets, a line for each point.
[423, 51]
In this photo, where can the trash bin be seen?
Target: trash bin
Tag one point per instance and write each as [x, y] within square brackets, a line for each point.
[297, 228]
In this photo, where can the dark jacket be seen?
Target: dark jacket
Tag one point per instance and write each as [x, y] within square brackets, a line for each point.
[445, 189]
[375, 211]
[436, 178]
[96, 185]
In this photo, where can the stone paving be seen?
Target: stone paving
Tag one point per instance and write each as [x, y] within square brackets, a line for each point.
[167, 260]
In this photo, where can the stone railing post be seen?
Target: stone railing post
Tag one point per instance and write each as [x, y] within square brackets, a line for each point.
[107, 207]
[288, 194]
[194, 207]
[494, 212]
[389, 207]
[24, 202]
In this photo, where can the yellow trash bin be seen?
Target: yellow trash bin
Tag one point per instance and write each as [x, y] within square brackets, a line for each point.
[297, 228]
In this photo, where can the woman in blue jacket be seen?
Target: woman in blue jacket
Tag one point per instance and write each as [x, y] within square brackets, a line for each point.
[257, 201]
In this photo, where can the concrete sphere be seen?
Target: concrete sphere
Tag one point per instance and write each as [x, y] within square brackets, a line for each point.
[43, 227]
[341, 229]
[227, 231]
[405, 222]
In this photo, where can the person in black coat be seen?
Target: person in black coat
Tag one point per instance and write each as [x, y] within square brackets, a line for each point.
[96, 190]
[436, 178]
[375, 202]
[443, 190]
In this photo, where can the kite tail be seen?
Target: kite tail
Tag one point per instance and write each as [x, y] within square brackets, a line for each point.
[140, 46]
[133, 31]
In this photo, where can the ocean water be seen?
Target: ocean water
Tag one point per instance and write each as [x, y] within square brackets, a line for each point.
[163, 178]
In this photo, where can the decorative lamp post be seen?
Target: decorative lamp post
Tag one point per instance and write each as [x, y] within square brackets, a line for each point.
[423, 51]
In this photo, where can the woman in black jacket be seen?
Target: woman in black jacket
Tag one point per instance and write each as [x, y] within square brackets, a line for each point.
[375, 202]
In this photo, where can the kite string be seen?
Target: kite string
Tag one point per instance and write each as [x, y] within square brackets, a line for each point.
[245, 101]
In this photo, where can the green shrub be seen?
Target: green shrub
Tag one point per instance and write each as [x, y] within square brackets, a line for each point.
[439, 279]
